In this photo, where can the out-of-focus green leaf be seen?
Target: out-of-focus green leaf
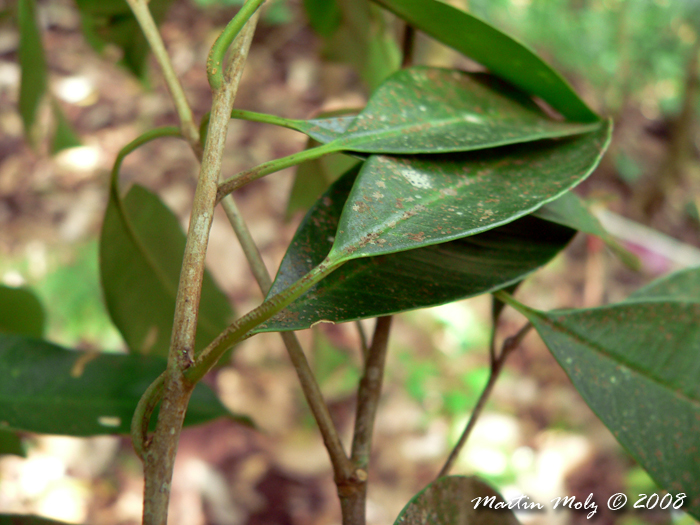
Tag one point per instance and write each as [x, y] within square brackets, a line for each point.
[403, 203]
[64, 136]
[25, 519]
[34, 75]
[374, 286]
[111, 22]
[360, 38]
[457, 500]
[571, 211]
[636, 365]
[49, 389]
[498, 52]
[20, 312]
[324, 16]
[11, 443]
[141, 248]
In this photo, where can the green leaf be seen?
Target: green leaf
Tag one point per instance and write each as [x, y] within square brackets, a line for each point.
[141, 249]
[683, 285]
[498, 52]
[52, 390]
[324, 16]
[11, 443]
[64, 136]
[457, 500]
[360, 38]
[25, 519]
[20, 312]
[374, 286]
[403, 203]
[34, 75]
[111, 22]
[635, 364]
[433, 110]
[571, 211]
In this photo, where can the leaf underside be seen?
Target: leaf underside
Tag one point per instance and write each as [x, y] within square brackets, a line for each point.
[636, 365]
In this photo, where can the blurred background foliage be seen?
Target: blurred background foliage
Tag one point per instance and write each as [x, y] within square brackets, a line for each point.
[634, 60]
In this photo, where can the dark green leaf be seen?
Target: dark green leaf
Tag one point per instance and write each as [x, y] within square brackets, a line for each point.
[571, 211]
[636, 365]
[32, 64]
[49, 389]
[25, 519]
[324, 16]
[111, 22]
[499, 53]
[64, 137]
[11, 443]
[433, 110]
[403, 203]
[683, 285]
[20, 312]
[429, 276]
[141, 248]
[457, 500]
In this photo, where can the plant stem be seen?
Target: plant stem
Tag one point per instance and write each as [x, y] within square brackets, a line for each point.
[363, 341]
[509, 345]
[215, 69]
[241, 328]
[252, 116]
[150, 30]
[248, 176]
[160, 453]
[342, 467]
[353, 494]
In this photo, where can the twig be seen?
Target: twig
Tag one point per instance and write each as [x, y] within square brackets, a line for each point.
[408, 45]
[509, 345]
[150, 30]
[353, 493]
[160, 454]
[342, 467]
[363, 340]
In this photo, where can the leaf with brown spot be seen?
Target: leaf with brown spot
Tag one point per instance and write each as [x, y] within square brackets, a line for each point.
[636, 365]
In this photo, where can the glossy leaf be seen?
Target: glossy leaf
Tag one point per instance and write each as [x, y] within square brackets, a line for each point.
[34, 75]
[433, 110]
[571, 211]
[11, 443]
[26, 519]
[374, 286]
[20, 312]
[141, 248]
[49, 389]
[403, 203]
[457, 500]
[636, 365]
[111, 22]
[498, 52]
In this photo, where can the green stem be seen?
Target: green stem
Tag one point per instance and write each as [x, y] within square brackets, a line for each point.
[142, 415]
[240, 330]
[248, 176]
[252, 116]
[505, 297]
[215, 70]
[167, 131]
[150, 30]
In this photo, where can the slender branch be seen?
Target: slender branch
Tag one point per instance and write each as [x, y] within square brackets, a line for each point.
[509, 345]
[363, 341]
[252, 116]
[353, 493]
[150, 30]
[160, 453]
[248, 176]
[215, 70]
